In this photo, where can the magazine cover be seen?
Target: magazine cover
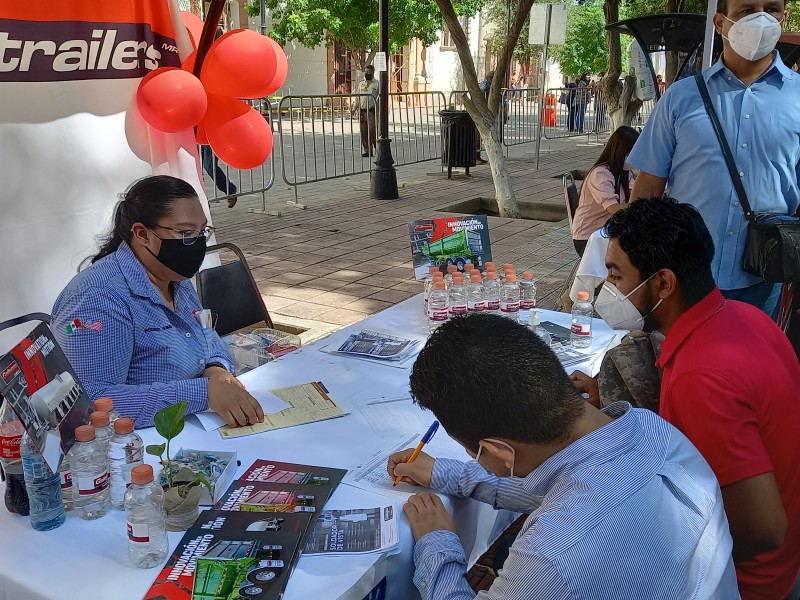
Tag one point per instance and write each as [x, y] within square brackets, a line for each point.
[273, 497]
[449, 241]
[227, 555]
[358, 530]
[268, 471]
[38, 381]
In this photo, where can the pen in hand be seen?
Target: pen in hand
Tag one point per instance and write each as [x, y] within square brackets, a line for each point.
[425, 439]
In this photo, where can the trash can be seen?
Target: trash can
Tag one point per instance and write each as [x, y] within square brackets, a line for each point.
[459, 140]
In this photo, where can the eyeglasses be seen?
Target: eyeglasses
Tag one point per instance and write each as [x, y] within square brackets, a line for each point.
[189, 236]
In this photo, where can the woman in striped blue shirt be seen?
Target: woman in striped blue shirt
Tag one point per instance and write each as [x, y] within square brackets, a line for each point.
[127, 323]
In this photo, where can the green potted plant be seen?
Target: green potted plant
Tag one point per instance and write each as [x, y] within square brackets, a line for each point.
[181, 485]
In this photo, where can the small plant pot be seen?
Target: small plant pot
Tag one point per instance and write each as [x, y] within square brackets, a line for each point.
[182, 506]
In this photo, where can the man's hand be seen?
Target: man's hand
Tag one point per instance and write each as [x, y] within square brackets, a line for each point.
[587, 385]
[425, 513]
[233, 403]
[419, 472]
[222, 375]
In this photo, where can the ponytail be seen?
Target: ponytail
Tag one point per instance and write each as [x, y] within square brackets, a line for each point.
[146, 202]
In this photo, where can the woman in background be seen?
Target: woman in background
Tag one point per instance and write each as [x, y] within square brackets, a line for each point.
[606, 189]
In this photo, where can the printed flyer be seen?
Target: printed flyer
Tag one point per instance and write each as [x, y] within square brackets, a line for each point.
[268, 471]
[39, 383]
[356, 531]
[227, 555]
[449, 241]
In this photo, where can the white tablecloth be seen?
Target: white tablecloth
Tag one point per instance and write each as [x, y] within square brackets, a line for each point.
[592, 269]
[88, 559]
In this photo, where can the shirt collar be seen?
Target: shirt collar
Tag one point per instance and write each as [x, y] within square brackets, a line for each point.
[688, 322]
[138, 281]
[597, 447]
[777, 64]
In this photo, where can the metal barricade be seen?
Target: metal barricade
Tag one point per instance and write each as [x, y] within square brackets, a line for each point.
[644, 113]
[321, 136]
[520, 116]
[578, 111]
[223, 182]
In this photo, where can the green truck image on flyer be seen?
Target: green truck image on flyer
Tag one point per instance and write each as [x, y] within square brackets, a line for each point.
[457, 248]
[236, 569]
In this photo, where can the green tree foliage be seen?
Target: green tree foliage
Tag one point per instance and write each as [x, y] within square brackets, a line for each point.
[585, 48]
[354, 23]
[496, 13]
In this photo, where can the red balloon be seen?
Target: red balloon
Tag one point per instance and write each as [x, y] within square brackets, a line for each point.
[241, 63]
[194, 25]
[171, 99]
[281, 68]
[241, 138]
[188, 64]
[200, 135]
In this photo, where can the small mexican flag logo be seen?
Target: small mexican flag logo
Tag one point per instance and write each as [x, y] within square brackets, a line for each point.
[77, 324]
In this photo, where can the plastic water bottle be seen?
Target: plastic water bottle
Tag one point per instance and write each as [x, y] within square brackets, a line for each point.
[491, 288]
[11, 432]
[476, 300]
[468, 269]
[147, 528]
[457, 297]
[103, 430]
[125, 453]
[89, 474]
[428, 286]
[448, 279]
[509, 299]
[107, 404]
[438, 306]
[527, 296]
[65, 477]
[534, 325]
[581, 329]
[43, 487]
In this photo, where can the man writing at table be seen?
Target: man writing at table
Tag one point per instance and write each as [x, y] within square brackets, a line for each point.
[729, 382]
[621, 504]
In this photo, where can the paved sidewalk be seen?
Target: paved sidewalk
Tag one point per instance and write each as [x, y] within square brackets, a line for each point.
[348, 256]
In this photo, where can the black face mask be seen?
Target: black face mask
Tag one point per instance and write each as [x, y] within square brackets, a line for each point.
[368, 76]
[177, 256]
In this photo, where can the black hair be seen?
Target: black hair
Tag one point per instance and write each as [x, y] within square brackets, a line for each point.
[485, 376]
[146, 201]
[662, 233]
[369, 68]
[617, 148]
[722, 6]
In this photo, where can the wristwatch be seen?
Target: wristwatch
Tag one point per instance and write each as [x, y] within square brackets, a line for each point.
[215, 364]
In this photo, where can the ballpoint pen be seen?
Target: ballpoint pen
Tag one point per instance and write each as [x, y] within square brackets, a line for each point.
[425, 439]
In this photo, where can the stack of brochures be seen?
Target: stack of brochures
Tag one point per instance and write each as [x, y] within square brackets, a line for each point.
[378, 346]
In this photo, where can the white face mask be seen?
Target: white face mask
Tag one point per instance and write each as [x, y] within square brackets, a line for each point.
[618, 311]
[754, 36]
[513, 453]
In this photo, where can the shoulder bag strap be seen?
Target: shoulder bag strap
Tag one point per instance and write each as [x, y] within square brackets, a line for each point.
[726, 149]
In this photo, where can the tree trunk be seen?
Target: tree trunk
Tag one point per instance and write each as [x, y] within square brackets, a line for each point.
[484, 112]
[671, 68]
[622, 106]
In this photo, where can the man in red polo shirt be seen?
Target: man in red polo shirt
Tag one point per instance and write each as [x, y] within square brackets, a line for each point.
[730, 381]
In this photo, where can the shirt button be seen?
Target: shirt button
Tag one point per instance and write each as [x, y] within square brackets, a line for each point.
[744, 145]
[729, 77]
[190, 335]
[736, 204]
[741, 174]
[747, 116]
[730, 233]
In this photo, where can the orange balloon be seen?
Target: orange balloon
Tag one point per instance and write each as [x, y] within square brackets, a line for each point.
[281, 68]
[241, 63]
[194, 25]
[242, 139]
[171, 99]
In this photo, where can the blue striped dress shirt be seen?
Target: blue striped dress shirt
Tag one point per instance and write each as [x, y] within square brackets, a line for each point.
[132, 347]
[630, 511]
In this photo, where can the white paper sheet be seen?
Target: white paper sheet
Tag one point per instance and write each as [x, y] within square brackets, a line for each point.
[388, 416]
[270, 403]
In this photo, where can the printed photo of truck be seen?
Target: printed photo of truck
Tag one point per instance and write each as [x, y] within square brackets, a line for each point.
[449, 241]
[237, 569]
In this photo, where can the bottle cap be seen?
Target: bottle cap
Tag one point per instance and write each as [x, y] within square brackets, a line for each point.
[469, 267]
[123, 425]
[452, 268]
[438, 276]
[458, 278]
[507, 266]
[489, 265]
[527, 275]
[99, 418]
[85, 433]
[475, 276]
[106, 404]
[141, 474]
[438, 285]
[511, 277]
[583, 296]
[491, 275]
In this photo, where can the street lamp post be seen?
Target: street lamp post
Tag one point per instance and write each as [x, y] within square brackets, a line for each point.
[384, 177]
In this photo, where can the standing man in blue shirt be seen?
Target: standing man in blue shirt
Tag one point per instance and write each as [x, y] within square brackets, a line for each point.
[757, 99]
[621, 504]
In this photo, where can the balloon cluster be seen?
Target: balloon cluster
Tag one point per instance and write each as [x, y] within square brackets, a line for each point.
[240, 64]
